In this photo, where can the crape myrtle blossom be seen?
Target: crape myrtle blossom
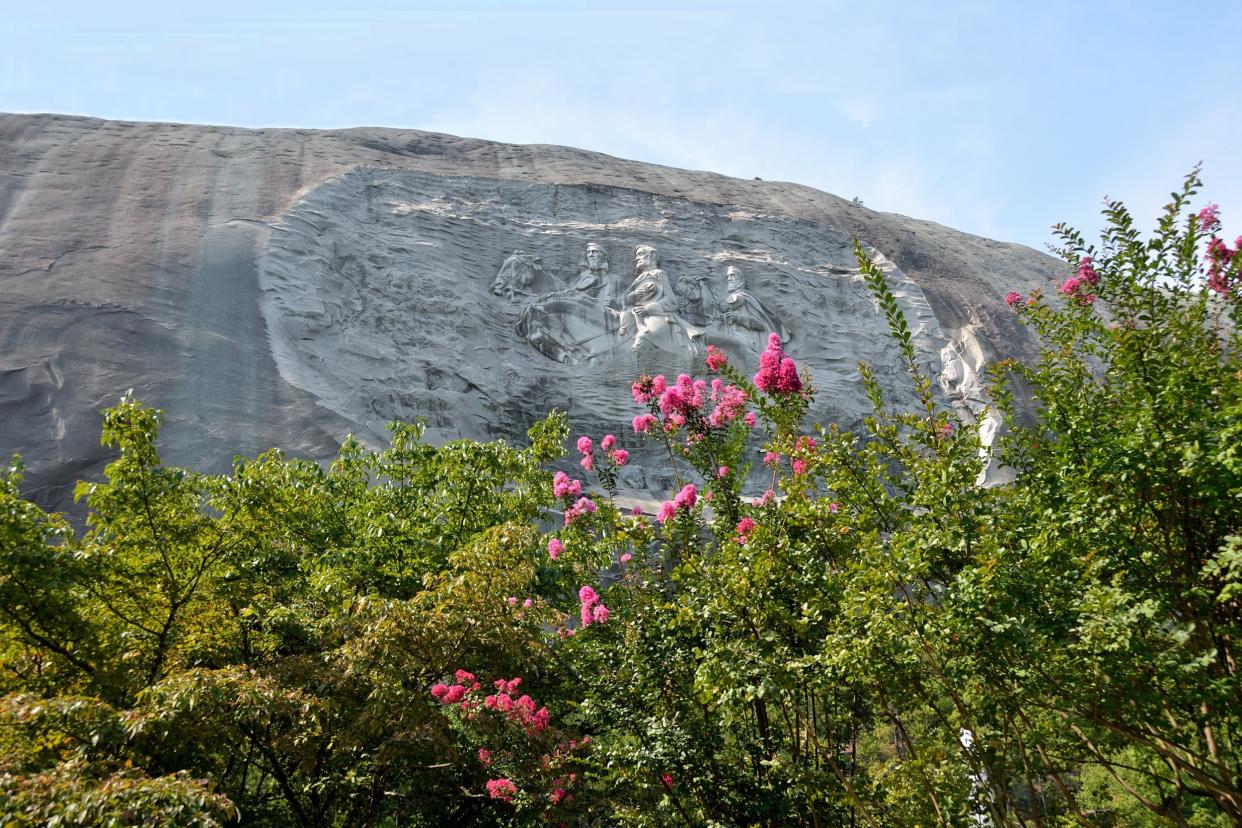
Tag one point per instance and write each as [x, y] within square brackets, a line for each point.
[1014, 299]
[716, 358]
[778, 374]
[689, 402]
[587, 449]
[1209, 218]
[583, 506]
[744, 527]
[555, 548]
[646, 389]
[685, 398]
[522, 710]
[1077, 288]
[505, 707]
[644, 422]
[565, 486]
[592, 610]
[729, 402]
[684, 500]
[1086, 272]
[502, 789]
[1219, 256]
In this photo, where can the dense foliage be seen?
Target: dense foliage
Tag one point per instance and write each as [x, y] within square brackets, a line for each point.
[455, 635]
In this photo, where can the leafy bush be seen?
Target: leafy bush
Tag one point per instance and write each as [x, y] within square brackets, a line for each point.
[875, 639]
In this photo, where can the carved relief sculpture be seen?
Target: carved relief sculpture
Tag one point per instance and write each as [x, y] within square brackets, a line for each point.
[516, 275]
[743, 310]
[651, 307]
[575, 323]
[593, 280]
[692, 296]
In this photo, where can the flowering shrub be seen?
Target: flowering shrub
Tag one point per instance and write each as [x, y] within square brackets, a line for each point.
[529, 764]
[867, 637]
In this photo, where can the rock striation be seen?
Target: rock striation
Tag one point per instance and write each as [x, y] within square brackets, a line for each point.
[286, 287]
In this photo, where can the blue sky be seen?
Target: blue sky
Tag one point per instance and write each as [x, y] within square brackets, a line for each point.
[999, 118]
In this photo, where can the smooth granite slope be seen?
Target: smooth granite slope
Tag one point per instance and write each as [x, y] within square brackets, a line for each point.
[263, 286]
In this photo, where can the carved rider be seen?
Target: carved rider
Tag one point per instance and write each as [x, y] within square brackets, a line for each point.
[743, 310]
[650, 302]
[692, 295]
[593, 280]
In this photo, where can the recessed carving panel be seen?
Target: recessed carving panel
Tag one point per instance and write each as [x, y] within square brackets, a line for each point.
[481, 304]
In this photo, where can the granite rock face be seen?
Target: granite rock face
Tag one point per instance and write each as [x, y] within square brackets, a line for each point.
[287, 287]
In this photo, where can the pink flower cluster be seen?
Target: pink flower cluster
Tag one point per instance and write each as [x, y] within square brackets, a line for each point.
[521, 710]
[685, 402]
[1073, 289]
[1086, 272]
[593, 610]
[682, 400]
[806, 447]
[744, 527]
[588, 453]
[1014, 299]
[583, 506]
[729, 402]
[1209, 218]
[644, 422]
[684, 501]
[766, 499]
[778, 374]
[454, 693]
[716, 358]
[618, 456]
[555, 548]
[502, 789]
[1219, 255]
[1078, 288]
[565, 486]
[645, 389]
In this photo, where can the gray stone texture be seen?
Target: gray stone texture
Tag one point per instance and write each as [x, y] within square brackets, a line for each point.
[283, 287]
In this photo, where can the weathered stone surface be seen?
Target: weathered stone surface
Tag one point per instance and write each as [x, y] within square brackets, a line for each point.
[285, 287]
